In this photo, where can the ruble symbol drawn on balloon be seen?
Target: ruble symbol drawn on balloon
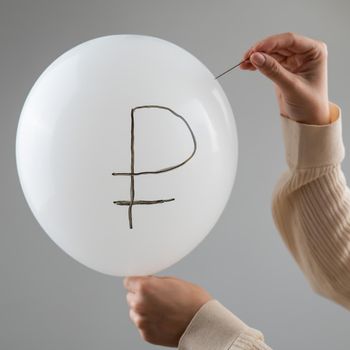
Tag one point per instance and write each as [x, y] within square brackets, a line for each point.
[132, 201]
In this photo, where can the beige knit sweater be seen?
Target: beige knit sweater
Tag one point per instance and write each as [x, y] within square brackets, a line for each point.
[311, 210]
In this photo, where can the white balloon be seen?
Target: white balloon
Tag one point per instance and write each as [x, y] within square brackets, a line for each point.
[75, 132]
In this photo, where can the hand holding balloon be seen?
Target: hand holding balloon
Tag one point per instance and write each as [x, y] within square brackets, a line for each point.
[162, 307]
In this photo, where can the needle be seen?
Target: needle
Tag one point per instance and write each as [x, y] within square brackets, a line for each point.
[229, 70]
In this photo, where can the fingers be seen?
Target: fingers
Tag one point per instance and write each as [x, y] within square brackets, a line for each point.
[136, 283]
[286, 44]
[137, 295]
[138, 320]
[271, 68]
[248, 64]
[131, 299]
[136, 302]
[144, 327]
[286, 47]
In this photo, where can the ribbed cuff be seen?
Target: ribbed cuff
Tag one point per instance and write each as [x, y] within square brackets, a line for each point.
[310, 146]
[250, 340]
[212, 327]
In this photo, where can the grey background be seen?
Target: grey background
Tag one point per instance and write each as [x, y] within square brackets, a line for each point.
[47, 300]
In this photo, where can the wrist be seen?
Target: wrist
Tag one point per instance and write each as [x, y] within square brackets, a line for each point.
[322, 114]
[326, 115]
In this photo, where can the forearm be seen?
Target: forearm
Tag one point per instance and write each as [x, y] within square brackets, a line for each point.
[311, 205]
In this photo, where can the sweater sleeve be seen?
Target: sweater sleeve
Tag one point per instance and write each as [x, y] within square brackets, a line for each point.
[311, 205]
[215, 328]
[311, 209]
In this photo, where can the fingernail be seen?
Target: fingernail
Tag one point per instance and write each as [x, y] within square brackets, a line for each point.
[258, 59]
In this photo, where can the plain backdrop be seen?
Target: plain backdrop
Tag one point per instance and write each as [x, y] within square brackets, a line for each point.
[47, 300]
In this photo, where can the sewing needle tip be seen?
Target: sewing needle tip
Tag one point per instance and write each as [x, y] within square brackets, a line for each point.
[229, 70]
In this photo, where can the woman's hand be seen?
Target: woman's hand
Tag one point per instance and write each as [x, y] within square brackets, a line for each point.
[162, 307]
[298, 67]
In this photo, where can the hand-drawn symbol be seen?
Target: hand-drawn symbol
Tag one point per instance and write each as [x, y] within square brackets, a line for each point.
[130, 203]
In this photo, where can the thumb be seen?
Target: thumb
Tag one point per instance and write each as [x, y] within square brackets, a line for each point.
[272, 69]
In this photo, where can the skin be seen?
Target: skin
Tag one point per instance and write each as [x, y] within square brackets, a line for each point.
[297, 66]
[162, 307]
